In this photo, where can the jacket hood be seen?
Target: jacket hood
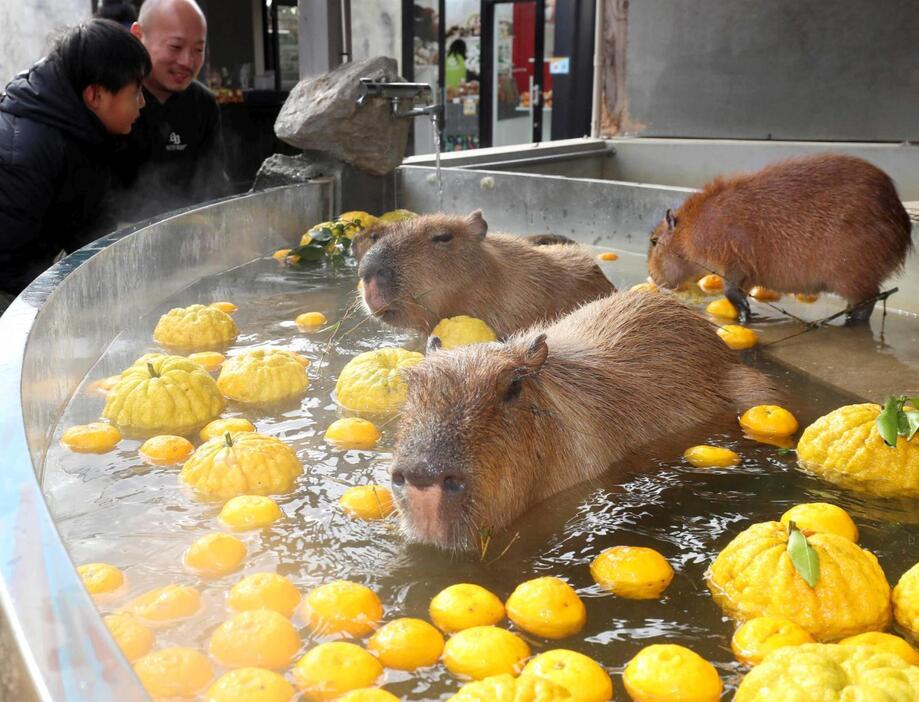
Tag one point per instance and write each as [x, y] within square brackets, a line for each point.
[43, 94]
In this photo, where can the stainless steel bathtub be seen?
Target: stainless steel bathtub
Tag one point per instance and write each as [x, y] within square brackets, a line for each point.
[53, 645]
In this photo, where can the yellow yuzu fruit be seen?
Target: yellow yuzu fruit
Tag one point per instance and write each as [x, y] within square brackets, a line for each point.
[352, 433]
[250, 685]
[465, 605]
[368, 694]
[311, 320]
[209, 360]
[704, 456]
[245, 512]
[737, 337]
[166, 604]
[758, 292]
[769, 420]
[634, 572]
[95, 437]
[133, 638]
[608, 256]
[265, 591]
[407, 644]
[331, 669]
[722, 307]
[224, 306]
[758, 637]
[166, 450]
[547, 607]
[671, 673]
[482, 651]
[367, 502]
[173, 672]
[342, 607]
[814, 517]
[100, 578]
[219, 427]
[884, 642]
[259, 638]
[582, 676]
[711, 283]
[806, 298]
[215, 554]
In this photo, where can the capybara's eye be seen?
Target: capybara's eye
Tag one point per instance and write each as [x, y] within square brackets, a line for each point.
[513, 390]
[653, 241]
[442, 238]
[375, 237]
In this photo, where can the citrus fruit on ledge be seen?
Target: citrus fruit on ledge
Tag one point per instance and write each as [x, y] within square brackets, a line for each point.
[844, 447]
[755, 576]
[372, 382]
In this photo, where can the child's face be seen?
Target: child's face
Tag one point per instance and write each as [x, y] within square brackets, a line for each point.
[117, 111]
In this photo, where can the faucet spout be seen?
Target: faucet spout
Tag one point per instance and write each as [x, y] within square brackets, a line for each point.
[400, 93]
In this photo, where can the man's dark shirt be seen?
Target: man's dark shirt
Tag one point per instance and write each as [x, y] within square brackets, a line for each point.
[173, 157]
[54, 173]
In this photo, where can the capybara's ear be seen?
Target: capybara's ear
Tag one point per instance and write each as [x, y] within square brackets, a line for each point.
[671, 219]
[434, 343]
[477, 225]
[536, 353]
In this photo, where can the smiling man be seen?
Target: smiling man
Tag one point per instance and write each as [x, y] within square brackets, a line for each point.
[174, 155]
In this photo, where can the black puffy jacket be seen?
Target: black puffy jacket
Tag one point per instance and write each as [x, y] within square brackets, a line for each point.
[54, 173]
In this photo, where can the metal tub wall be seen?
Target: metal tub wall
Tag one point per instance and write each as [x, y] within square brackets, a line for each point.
[53, 645]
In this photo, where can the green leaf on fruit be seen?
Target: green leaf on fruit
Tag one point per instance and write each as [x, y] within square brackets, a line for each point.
[897, 420]
[803, 556]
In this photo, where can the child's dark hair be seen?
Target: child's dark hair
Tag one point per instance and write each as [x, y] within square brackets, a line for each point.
[101, 52]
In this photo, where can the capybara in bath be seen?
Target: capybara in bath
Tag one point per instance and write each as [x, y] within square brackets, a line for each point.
[806, 225]
[421, 270]
[489, 430]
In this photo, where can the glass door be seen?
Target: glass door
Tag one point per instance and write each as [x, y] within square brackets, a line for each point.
[514, 81]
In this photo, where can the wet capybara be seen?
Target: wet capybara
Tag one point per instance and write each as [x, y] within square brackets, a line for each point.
[488, 430]
[806, 225]
[421, 270]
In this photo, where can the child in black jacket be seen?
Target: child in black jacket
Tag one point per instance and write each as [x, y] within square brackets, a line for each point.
[56, 122]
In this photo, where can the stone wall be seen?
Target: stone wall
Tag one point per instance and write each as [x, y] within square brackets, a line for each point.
[28, 27]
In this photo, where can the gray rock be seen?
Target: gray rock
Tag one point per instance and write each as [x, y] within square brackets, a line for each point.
[322, 113]
[280, 169]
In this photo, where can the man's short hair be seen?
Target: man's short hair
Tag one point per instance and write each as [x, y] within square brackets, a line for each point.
[101, 52]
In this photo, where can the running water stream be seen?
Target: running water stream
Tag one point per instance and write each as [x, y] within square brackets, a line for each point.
[435, 123]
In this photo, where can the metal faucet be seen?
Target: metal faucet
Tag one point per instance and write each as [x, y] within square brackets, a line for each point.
[398, 93]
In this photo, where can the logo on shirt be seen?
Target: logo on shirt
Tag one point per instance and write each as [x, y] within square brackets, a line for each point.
[175, 143]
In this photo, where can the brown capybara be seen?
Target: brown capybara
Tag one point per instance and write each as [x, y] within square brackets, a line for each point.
[489, 430]
[421, 270]
[806, 225]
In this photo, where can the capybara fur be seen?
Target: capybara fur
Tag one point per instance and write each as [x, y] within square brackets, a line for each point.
[488, 430]
[421, 270]
[806, 225]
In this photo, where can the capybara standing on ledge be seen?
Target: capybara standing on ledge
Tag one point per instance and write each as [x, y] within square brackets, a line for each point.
[807, 225]
[488, 430]
[421, 270]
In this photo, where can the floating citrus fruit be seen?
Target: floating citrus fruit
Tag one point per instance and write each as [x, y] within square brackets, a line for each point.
[342, 607]
[813, 517]
[280, 254]
[755, 576]
[830, 673]
[265, 591]
[465, 605]
[906, 601]
[209, 360]
[671, 673]
[166, 604]
[133, 638]
[174, 672]
[367, 502]
[331, 669]
[845, 448]
[507, 688]
[737, 337]
[634, 572]
[262, 376]
[250, 685]
[259, 638]
[100, 578]
[372, 381]
[704, 456]
[583, 677]
[309, 321]
[547, 607]
[608, 256]
[406, 644]
[95, 437]
[769, 420]
[758, 637]
[884, 642]
[711, 284]
[216, 554]
[758, 292]
[241, 464]
[247, 512]
[219, 427]
[722, 307]
[166, 450]
[352, 433]
[806, 298]
[644, 287]
[462, 331]
[481, 651]
[103, 386]
[196, 327]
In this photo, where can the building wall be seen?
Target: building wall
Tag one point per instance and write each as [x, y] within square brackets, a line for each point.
[783, 69]
[27, 28]
[376, 29]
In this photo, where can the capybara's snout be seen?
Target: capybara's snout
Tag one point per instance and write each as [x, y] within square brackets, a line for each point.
[379, 280]
[431, 496]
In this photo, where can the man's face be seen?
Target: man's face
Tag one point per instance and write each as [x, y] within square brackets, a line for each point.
[175, 38]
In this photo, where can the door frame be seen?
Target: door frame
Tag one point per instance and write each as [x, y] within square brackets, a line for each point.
[486, 82]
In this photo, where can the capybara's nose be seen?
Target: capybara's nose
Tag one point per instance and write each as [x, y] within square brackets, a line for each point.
[422, 475]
